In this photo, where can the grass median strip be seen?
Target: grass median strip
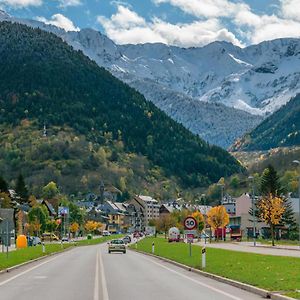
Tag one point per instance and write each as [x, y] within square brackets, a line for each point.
[24, 255]
[273, 273]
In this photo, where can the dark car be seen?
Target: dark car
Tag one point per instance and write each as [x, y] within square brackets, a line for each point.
[127, 239]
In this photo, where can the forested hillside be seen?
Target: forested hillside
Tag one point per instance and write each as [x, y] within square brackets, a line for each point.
[281, 129]
[44, 81]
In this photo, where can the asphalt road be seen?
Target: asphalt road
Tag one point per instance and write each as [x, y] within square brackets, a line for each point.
[90, 273]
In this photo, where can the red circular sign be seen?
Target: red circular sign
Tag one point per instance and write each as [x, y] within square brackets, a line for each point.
[190, 223]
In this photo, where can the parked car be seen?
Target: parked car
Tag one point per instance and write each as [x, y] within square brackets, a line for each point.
[127, 239]
[34, 240]
[65, 239]
[116, 246]
[106, 233]
[48, 236]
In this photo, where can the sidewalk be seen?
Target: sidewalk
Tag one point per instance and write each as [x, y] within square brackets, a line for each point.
[280, 250]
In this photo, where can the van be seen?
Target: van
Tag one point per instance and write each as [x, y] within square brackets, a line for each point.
[48, 237]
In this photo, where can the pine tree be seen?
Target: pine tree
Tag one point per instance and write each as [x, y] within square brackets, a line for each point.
[3, 185]
[270, 183]
[21, 189]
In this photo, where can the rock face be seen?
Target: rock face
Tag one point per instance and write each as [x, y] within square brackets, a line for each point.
[237, 87]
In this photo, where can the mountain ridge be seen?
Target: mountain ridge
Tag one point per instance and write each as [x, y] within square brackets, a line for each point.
[42, 79]
[256, 80]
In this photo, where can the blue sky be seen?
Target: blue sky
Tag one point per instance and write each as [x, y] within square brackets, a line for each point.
[177, 22]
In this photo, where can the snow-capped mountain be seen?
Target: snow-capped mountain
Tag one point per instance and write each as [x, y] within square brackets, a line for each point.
[219, 91]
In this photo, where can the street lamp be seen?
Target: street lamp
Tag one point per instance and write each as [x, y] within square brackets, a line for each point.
[297, 162]
[251, 179]
[222, 185]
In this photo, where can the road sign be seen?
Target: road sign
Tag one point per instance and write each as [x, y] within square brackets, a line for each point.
[190, 238]
[63, 211]
[190, 223]
[194, 232]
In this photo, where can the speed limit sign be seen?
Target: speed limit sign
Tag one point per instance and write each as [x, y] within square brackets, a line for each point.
[190, 223]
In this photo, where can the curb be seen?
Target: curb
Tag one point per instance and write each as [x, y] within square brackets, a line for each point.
[255, 290]
[34, 260]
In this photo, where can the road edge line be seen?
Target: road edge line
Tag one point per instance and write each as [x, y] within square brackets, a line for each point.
[247, 287]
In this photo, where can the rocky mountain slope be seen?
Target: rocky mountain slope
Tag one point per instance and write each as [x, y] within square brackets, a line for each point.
[281, 129]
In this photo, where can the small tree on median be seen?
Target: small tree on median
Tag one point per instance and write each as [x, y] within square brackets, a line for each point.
[271, 211]
[217, 217]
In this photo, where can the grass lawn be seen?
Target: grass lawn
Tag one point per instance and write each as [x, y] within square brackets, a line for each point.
[274, 273]
[23, 255]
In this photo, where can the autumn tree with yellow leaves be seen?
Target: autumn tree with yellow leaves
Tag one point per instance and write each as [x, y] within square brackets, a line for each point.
[217, 217]
[91, 226]
[74, 227]
[197, 215]
[271, 210]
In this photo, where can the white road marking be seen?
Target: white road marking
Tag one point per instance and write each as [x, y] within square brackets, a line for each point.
[194, 280]
[28, 270]
[96, 287]
[103, 279]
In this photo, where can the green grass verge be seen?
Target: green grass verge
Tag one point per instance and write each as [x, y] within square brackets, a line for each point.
[274, 273]
[24, 255]
[295, 295]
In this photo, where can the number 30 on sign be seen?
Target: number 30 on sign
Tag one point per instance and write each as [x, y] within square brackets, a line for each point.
[190, 223]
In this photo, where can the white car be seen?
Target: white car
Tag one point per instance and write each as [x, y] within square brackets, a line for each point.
[106, 233]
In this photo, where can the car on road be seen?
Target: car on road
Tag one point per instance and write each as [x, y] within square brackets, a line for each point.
[65, 239]
[116, 246]
[106, 233]
[49, 237]
[127, 239]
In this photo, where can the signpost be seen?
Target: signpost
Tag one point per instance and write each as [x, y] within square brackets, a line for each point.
[190, 226]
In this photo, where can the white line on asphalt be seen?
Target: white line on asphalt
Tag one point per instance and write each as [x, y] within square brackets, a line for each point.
[29, 270]
[96, 287]
[194, 280]
[103, 280]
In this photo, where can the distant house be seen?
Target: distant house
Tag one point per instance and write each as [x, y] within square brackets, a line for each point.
[230, 204]
[143, 209]
[49, 206]
[118, 217]
[295, 207]
[242, 216]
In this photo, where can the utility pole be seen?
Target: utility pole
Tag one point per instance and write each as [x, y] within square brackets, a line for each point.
[251, 179]
[297, 162]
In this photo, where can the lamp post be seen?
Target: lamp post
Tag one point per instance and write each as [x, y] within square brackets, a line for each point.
[297, 162]
[251, 179]
[222, 185]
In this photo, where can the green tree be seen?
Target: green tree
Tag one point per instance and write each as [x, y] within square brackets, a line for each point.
[50, 190]
[270, 183]
[271, 186]
[3, 185]
[38, 215]
[21, 189]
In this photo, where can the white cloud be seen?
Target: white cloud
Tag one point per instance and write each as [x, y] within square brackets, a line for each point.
[291, 9]
[267, 27]
[251, 27]
[207, 8]
[21, 3]
[128, 27]
[66, 3]
[61, 21]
